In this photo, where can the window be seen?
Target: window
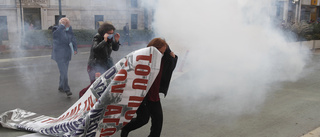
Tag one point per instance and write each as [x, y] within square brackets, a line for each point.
[32, 18]
[146, 18]
[134, 3]
[97, 20]
[279, 12]
[134, 21]
[57, 18]
[3, 28]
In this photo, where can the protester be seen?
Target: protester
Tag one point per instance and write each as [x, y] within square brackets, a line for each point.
[51, 27]
[100, 59]
[64, 45]
[31, 26]
[126, 34]
[104, 42]
[151, 106]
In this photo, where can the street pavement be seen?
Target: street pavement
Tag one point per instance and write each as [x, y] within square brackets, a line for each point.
[29, 80]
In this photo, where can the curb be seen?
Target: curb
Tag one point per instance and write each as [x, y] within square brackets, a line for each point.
[313, 133]
[7, 49]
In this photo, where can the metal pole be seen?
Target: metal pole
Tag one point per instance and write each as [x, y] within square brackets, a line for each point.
[21, 34]
[20, 13]
[296, 15]
[299, 15]
[60, 12]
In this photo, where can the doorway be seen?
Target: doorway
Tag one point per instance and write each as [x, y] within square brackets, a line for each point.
[97, 19]
[32, 19]
[3, 29]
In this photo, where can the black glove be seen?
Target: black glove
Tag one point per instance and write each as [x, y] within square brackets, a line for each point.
[168, 50]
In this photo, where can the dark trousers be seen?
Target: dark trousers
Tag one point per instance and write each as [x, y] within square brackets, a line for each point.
[101, 68]
[146, 110]
[63, 69]
[127, 38]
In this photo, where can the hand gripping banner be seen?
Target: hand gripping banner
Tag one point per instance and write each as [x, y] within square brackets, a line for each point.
[109, 103]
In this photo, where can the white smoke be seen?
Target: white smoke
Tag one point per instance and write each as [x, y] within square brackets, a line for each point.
[237, 55]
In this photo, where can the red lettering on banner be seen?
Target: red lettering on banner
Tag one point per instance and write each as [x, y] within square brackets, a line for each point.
[124, 123]
[73, 114]
[142, 70]
[111, 120]
[117, 88]
[85, 105]
[73, 111]
[144, 57]
[140, 84]
[113, 109]
[76, 114]
[135, 101]
[90, 103]
[58, 119]
[65, 116]
[78, 107]
[50, 119]
[121, 75]
[108, 132]
[129, 114]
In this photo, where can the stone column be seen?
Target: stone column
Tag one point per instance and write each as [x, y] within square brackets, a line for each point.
[44, 18]
[285, 11]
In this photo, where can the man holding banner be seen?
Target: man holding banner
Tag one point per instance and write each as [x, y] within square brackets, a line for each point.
[151, 106]
[112, 100]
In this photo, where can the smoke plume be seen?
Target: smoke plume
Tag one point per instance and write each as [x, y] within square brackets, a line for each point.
[237, 55]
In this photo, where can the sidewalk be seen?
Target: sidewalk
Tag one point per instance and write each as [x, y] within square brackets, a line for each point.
[313, 133]
[6, 50]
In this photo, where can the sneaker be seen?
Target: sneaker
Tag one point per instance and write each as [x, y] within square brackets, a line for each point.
[60, 89]
[124, 133]
[69, 93]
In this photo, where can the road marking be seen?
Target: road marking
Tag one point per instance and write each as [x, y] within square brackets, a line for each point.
[21, 58]
[33, 57]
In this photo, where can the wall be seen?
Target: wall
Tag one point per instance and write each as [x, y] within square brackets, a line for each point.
[11, 13]
[80, 12]
[311, 44]
[305, 2]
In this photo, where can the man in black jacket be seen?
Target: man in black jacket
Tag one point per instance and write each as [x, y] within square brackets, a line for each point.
[100, 54]
[151, 106]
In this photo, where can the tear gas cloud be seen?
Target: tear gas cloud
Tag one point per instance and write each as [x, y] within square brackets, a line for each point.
[236, 53]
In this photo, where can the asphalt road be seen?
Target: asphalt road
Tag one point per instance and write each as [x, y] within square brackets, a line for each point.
[29, 80]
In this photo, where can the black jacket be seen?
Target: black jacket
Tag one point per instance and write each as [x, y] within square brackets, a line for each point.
[168, 67]
[101, 50]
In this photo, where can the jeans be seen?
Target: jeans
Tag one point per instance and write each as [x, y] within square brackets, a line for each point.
[127, 38]
[93, 69]
[63, 69]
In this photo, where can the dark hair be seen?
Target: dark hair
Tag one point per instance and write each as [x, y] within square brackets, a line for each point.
[105, 27]
[158, 43]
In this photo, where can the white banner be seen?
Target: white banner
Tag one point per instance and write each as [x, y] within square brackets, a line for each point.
[109, 103]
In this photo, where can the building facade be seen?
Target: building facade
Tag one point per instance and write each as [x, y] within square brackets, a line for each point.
[18, 16]
[292, 11]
